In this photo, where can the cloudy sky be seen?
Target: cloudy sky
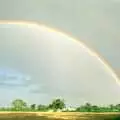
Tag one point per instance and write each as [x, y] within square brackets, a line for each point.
[36, 65]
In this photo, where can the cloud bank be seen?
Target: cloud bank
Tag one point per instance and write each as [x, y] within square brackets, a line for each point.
[57, 66]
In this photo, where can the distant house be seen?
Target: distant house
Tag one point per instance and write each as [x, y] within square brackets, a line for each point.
[59, 110]
[69, 109]
[50, 110]
[62, 110]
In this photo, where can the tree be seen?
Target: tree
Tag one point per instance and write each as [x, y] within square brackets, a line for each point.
[33, 106]
[111, 107]
[42, 107]
[88, 107]
[118, 107]
[57, 104]
[19, 104]
[95, 108]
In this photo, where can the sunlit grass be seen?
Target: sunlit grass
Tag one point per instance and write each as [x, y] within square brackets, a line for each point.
[58, 116]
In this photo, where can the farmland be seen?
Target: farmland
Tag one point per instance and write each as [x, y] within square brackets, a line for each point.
[57, 110]
[58, 116]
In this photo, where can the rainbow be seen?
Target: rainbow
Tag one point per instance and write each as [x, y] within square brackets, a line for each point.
[91, 52]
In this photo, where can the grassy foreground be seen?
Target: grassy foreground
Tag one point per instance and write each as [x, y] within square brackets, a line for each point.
[58, 116]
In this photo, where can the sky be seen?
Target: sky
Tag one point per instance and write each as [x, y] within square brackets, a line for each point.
[33, 64]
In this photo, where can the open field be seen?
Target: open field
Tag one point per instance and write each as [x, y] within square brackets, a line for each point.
[58, 116]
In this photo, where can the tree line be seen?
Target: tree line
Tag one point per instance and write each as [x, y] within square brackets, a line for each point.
[58, 105]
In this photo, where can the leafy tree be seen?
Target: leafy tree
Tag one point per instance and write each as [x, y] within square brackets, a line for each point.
[111, 107]
[118, 107]
[33, 106]
[19, 104]
[88, 107]
[57, 104]
[95, 108]
[42, 107]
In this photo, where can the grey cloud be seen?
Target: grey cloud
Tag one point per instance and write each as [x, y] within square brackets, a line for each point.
[57, 65]
[95, 22]
[13, 79]
[12, 85]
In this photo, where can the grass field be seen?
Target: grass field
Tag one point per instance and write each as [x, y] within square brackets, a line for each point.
[58, 116]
